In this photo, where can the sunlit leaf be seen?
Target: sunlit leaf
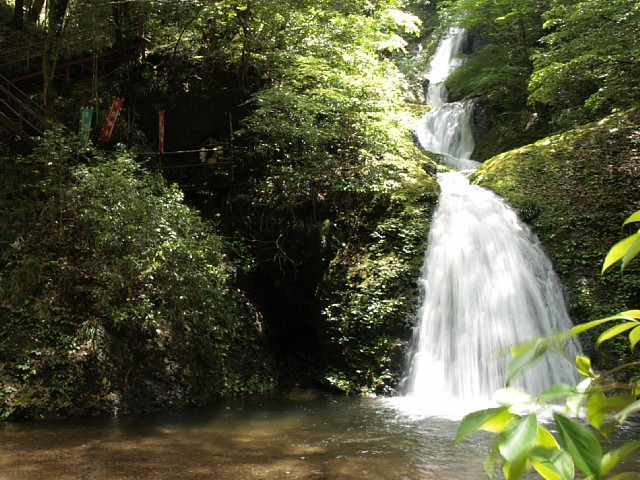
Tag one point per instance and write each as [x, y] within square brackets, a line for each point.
[628, 410]
[594, 407]
[627, 314]
[514, 469]
[525, 358]
[619, 250]
[545, 439]
[634, 217]
[491, 419]
[552, 463]
[583, 327]
[600, 409]
[612, 458]
[583, 364]
[559, 390]
[615, 331]
[580, 443]
[631, 252]
[522, 347]
[574, 402]
[492, 460]
[519, 438]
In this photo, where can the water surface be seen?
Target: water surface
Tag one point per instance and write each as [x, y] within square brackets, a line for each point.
[306, 437]
[277, 437]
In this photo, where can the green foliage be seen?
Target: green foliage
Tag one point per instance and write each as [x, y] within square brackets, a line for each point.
[544, 66]
[368, 293]
[118, 297]
[501, 23]
[498, 70]
[523, 442]
[625, 250]
[328, 155]
[328, 123]
[590, 64]
[336, 175]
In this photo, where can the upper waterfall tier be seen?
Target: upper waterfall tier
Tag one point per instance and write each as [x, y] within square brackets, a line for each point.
[446, 129]
[445, 60]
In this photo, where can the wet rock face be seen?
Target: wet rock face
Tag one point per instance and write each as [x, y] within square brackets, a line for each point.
[480, 124]
[474, 44]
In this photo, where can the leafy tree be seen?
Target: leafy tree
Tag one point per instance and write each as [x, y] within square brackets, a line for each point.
[116, 296]
[497, 72]
[327, 106]
[50, 54]
[333, 161]
[18, 15]
[590, 63]
[604, 401]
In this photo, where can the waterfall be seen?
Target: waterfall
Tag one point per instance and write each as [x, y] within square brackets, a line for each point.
[486, 283]
[446, 129]
[445, 60]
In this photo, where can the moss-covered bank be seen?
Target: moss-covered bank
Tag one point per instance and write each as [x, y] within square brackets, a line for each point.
[575, 189]
[369, 292]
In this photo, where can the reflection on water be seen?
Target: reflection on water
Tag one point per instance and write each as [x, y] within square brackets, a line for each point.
[320, 437]
[259, 438]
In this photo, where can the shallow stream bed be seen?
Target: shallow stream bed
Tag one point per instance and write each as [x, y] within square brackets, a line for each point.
[306, 435]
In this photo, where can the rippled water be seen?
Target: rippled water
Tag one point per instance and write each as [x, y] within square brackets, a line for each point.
[302, 437]
[306, 437]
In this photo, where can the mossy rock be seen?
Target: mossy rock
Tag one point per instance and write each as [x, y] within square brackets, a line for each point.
[575, 189]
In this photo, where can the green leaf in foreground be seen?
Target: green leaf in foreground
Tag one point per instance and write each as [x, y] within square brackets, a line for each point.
[518, 439]
[525, 357]
[583, 327]
[580, 443]
[612, 458]
[628, 410]
[631, 252]
[634, 217]
[634, 337]
[554, 392]
[552, 464]
[620, 250]
[615, 331]
[492, 420]
[583, 365]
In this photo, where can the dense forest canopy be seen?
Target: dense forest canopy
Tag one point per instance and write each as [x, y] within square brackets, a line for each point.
[310, 246]
[548, 65]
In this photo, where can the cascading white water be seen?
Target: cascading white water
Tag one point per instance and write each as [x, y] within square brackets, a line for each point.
[445, 60]
[486, 283]
[446, 129]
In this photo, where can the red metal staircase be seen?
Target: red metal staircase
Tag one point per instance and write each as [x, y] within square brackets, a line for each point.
[85, 49]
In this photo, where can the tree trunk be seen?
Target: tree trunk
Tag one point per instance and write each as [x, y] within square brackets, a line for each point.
[35, 10]
[18, 15]
[55, 24]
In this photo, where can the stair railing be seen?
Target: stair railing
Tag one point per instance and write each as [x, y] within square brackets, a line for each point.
[26, 115]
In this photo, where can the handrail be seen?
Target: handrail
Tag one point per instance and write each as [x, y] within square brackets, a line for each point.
[28, 113]
[20, 113]
[32, 53]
